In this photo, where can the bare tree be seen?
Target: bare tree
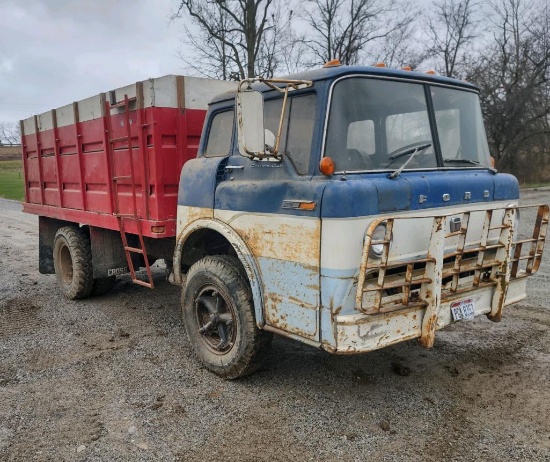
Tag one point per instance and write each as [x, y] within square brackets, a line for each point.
[514, 76]
[451, 32]
[399, 48]
[345, 29]
[9, 133]
[236, 38]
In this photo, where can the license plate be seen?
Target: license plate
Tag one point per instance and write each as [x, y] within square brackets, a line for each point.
[463, 310]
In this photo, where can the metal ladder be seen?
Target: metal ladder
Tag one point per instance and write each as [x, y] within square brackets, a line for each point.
[124, 219]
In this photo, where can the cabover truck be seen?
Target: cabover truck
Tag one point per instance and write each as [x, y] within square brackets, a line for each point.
[347, 207]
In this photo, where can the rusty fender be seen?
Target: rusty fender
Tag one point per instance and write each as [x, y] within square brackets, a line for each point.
[243, 253]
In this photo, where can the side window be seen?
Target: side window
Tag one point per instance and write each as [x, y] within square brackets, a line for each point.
[300, 131]
[219, 137]
[298, 124]
[272, 115]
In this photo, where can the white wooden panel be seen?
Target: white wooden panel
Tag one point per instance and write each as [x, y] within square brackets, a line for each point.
[158, 92]
[45, 121]
[129, 90]
[28, 126]
[199, 92]
[161, 92]
[90, 108]
[65, 115]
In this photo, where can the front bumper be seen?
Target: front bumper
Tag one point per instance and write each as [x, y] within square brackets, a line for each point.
[360, 333]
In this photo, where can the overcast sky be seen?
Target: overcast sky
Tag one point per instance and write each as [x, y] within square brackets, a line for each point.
[54, 52]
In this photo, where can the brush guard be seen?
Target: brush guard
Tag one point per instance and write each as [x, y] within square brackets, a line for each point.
[454, 262]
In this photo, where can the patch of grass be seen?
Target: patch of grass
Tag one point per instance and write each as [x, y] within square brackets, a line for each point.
[11, 165]
[11, 179]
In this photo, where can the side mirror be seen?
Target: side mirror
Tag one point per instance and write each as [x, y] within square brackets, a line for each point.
[250, 123]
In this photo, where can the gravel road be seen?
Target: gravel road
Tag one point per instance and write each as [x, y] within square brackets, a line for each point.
[113, 378]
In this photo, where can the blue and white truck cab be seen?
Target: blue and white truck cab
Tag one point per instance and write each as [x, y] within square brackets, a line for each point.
[349, 208]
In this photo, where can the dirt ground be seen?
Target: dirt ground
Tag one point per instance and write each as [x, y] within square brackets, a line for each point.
[113, 378]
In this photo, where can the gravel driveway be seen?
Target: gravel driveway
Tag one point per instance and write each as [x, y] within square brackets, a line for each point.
[113, 378]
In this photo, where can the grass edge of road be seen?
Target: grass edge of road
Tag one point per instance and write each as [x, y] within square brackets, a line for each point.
[11, 180]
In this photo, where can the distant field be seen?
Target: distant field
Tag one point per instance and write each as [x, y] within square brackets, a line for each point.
[11, 179]
[10, 152]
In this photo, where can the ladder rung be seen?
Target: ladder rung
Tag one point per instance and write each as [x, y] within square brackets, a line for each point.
[122, 103]
[126, 215]
[139, 282]
[126, 177]
[133, 249]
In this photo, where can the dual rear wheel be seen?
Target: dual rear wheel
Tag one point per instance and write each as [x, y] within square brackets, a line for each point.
[72, 258]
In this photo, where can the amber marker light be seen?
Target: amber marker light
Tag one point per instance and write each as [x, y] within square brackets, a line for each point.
[406, 68]
[431, 72]
[326, 166]
[332, 63]
[307, 206]
[158, 229]
[380, 65]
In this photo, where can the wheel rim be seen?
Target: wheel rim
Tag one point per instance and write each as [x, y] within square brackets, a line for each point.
[216, 319]
[66, 264]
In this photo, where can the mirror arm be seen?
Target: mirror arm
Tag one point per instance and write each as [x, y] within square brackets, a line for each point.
[247, 81]
[288, 83]
[281, 120]
[246, 85]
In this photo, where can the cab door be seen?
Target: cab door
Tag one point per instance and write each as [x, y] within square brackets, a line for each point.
[275, 208]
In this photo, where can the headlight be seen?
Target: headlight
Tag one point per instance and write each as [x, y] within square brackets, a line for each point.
[378, 235]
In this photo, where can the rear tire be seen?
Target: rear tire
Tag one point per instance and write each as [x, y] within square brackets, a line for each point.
[72, 258]
[218, 314]
[103, 286]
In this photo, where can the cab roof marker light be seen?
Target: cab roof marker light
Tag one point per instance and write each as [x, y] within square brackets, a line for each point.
[332, 63]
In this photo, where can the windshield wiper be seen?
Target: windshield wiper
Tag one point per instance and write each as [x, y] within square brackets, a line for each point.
[413, 152]
[470, 161]
[410, 151]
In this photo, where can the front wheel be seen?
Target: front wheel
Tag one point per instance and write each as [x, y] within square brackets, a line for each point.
[218, 315]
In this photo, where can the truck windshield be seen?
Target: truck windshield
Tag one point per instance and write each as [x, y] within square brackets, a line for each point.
[460, 127]
[377, 124]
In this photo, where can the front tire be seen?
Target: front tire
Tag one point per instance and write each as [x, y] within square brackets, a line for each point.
[72, 259]
[218, 314]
